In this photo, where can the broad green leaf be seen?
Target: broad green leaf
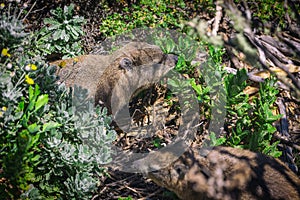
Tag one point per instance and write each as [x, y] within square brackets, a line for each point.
[31, 93]
[36, 90]
[50, 125]
[35, 158]
[41, 101]
[214, 141]
[270, 128]
[220, 141]
[21, 106]
[32, 96]
[33, 142]
[32, 128]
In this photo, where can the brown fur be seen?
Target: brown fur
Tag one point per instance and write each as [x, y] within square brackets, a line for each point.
[145, 63]
[228, 173]
[138, 53]
[99, 73]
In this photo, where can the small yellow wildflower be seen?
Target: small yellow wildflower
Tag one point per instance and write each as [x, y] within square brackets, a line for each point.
[2, 5]
[4, 108]
[33, 67]
[75, 60]
[1, 114]
[5, 52]
[29, 80]
[62, 64]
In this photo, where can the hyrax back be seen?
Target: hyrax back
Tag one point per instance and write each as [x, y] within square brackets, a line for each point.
[228, 173]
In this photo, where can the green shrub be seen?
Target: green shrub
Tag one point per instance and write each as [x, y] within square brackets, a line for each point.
[148, 13]
[251, 121]
[52, 139]
[61, 35]
[253, 127]
[11, 27]
[271, 11]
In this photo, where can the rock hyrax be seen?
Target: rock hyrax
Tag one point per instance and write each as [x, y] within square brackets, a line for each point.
[228, 173]
[130, 57]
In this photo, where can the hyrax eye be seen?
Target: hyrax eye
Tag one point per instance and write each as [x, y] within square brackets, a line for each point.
[126, 64]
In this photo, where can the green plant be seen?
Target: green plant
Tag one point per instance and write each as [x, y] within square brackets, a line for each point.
[205, 80]
[51, 144]
[52, 139]
[75, 149]
[253, 121]
[61, 34]
[157, 142]
[271, 11]
[252, 127]
[184, 47]
[11, 27]
[148, 13]
[202, 92]
[238, 107]
[264, 119]
[125, 198]
[208, 84]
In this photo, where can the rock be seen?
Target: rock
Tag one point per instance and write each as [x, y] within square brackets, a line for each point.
[225, 173]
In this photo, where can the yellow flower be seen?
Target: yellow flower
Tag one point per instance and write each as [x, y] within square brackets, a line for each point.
[1, 114]
[62, 64]
[29, 80]
[75, 60]
[5, 52]
[2, 5]
[33, 67]
[4, 108]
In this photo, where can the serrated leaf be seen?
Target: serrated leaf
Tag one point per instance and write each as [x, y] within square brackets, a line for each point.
[34, 140]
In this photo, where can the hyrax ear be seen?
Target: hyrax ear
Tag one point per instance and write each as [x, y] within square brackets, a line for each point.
[126, 63]
[170, 60]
